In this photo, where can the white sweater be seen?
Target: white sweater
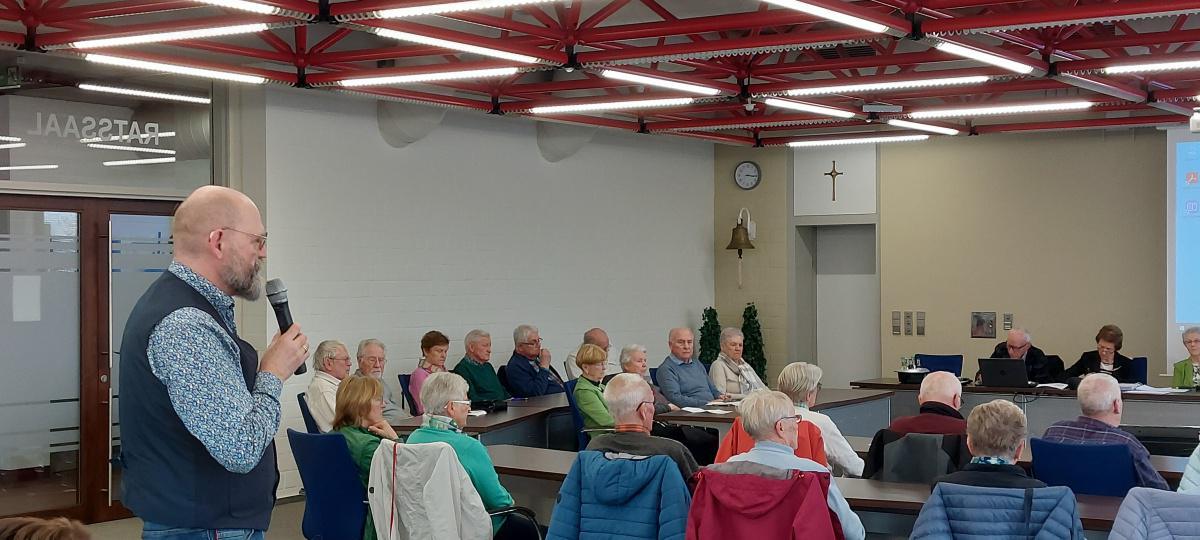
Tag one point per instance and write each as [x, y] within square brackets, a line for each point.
[422, 492]
[843, 460]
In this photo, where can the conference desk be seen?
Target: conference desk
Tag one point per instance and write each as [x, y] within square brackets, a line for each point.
[543, 422]
[1045, 406]
[855, 411]
[534, 476]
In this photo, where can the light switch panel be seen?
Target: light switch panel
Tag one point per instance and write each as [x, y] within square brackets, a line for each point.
[1008, 321]
[895, 323]
[920, 323]
[908, 323]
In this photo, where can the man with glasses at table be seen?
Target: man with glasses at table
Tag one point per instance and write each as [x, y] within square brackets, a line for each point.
[1019, 346]
[529, 372]
[372, 357]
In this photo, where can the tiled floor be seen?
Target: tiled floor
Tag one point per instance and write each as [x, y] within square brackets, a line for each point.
[285, 525]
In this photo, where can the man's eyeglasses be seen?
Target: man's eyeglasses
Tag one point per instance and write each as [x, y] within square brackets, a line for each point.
[531, 342]
[461, 402]
[795, 418]
[260, 239]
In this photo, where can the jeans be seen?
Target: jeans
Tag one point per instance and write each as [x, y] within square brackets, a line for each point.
[155, 531]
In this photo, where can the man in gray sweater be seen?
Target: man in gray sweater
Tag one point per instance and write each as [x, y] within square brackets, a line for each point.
[684, 381]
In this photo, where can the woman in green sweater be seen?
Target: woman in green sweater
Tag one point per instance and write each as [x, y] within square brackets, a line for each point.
[1187, 371]
[358, 416]
[589, 391]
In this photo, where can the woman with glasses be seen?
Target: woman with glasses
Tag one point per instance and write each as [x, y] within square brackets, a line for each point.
[1187, 371]
[358, 416]
[801, 382]
[1106, 358]
[434, 346]
[589, 389]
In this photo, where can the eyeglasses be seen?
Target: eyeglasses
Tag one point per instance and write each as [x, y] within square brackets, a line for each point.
[796, 418]
[461, 402]
[1191, 342]
[537, 341]
[260, 239]
[373, 359]
[1018, 347]
[643, 403]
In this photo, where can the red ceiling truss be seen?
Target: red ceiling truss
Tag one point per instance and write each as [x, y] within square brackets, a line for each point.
[745, 49]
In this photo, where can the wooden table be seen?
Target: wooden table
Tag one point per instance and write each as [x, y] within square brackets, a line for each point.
[542, 422]
[855, 411]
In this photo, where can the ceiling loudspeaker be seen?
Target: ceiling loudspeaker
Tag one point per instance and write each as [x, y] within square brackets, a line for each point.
[881, 108]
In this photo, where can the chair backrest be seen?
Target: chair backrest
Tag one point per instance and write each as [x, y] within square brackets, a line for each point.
[309, 422]
[941, 362]
[405, 380]
[803, 500]
[570, 371]
[915, 457]
[576, 417]
[1139, 365]
[334, 506]
[502, 374]
[1077, 466]
[654, 375]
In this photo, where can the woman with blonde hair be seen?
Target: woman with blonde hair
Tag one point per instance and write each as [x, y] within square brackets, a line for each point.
[31, 528]
[359, 418]
[589, 390]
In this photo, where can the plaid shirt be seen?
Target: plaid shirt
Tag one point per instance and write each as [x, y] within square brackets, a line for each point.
[1090, 430]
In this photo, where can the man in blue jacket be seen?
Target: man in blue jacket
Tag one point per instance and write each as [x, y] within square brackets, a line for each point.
[684, 381]
[529, 373]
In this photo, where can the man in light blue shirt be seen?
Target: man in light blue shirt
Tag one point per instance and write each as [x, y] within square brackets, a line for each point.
[684, 381]
[770, 419]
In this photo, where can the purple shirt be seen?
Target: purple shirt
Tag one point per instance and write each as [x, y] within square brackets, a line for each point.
[414, 386]
[1090, 430]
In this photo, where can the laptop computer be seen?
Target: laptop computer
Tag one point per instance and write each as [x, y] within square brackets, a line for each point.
[1004, 373]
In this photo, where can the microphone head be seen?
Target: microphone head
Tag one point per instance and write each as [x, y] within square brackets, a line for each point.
[276, 292]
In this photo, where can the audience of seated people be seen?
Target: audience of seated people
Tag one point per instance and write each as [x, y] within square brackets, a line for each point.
[594, 336]
[1106, 358]
[771, 420]
[730, 372]
[331, 364]
[801, 382]
[359, 418]
[476, 369]
[372, 357]
[1100, 401]
[700, 441]
[996, 433]
[631, 402]
[589, 389]
[940, 397]
[529, 372]
[683, 380]
[1187, 371]
[434, 346]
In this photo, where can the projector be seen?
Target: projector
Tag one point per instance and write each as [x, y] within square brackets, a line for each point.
[1194, 124]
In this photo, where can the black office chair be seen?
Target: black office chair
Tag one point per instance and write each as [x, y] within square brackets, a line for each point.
[503, 376]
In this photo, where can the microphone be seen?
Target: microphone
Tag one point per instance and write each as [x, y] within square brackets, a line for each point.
[277, 296]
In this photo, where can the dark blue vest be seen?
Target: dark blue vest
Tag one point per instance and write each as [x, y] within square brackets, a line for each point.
[169, 477]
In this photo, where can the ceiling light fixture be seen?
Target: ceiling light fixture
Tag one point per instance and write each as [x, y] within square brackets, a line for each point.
[453, 7]
[148, 161]
[985, 57]
[12, 145]
[859, 140]
[139, 137]
[808, 107]
[427, 77]
[132, 148]
[173, 68]
[923, 127]
[826, 13]
[1003, 109]
[6, 138]
[890, 85]
[662, 83]
[170, 36]
[27, 167]
[612, 105]
[144, 93]
[1153, 66]
[243, 5]
[458, 46]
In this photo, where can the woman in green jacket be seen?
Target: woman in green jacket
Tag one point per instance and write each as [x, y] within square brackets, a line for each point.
[589, 391]
[358, 416]
[1187, 371]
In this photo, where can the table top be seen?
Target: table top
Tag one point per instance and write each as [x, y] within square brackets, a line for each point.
[517, 411]
[827, 398]
[891, 383]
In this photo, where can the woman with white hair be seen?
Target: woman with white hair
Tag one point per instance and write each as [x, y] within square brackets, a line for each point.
[730, 372]
[1187, 371]
[801, 382]
[633, 360]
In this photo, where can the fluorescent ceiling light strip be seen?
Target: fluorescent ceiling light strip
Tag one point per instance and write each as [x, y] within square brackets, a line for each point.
[148, 161]
[141, 137]
[836, 16]
[426, 77]
[6, 138]
[662, 83]
[12, 145]
[923, 127]
[985, 57]
[447, 44]
[27, 167]
[860, 140]
[1003, 109]
[171, 36]
[144, 93]
[132, 148]
[1156, 66]
[612, 105]
[243, 5]
[173, 68]
[891, 85]
[454, 7]
[806, 107]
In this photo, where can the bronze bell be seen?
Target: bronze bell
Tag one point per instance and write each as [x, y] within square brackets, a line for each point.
[740, 239]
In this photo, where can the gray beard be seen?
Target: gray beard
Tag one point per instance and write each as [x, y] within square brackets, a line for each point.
[248, 287]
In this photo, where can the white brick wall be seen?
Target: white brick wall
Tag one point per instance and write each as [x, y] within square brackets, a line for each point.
[470, 227]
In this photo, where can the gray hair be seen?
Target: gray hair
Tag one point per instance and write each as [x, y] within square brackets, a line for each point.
[475, 336]
[625, 392]
[1191, 330]
[628, 351]
[440, 389]
[1097, 392]
[798, 380]
[729, 333]
[1024, 332]
[325, 350]
[671, 333]
[762, 409]
[368, 342]
[940, 386]
[521, 333]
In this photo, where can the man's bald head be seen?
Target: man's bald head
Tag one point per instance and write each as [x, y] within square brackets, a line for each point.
[942, 387]
[597, 337]
[207, 209]
[218, 233]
